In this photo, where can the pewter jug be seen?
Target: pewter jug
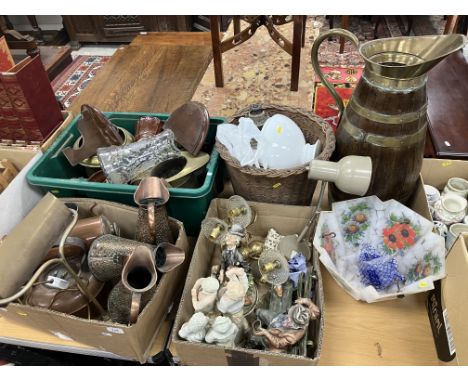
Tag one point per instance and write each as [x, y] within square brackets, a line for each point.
[385, 118]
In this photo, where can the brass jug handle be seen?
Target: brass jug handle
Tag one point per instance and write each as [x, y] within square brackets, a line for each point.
[314, 55]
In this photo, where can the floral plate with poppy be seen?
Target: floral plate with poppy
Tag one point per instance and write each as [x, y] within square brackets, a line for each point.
[401, 238]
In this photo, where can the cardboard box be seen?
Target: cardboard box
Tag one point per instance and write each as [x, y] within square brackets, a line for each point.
[436, 172]
[19, 197]
[447, 304]
[133, 342]
[287, 220]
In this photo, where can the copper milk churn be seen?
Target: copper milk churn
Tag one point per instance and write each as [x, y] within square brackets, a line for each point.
[386, 115]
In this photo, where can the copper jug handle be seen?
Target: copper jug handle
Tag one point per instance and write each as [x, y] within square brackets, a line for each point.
[135, 307]
[314, 54]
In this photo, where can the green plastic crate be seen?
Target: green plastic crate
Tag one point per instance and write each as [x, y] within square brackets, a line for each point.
[54, 174]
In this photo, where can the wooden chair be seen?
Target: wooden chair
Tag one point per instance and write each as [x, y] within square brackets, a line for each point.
[294, 48]
[17, 40]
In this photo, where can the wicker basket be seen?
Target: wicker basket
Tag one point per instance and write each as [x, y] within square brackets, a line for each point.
[290, 186]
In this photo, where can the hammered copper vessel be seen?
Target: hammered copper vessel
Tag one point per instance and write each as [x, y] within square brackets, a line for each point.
[108, 255]
[153, 225]
[385, 118]
[137, 285]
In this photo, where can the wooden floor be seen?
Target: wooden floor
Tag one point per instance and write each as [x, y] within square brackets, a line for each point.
[153, 74]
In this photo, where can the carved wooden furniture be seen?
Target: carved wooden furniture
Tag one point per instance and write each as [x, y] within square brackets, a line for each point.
[293, 48]
[17, 40]
[119, 28]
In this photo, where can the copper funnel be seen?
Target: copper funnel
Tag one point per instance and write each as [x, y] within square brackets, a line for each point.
[168, 257]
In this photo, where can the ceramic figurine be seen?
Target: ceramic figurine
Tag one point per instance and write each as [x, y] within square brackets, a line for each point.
[204, 294]
[284, 330]
[314, 310]
[223, 332]
[194, 330]
[231, 255]
[297, 265]
[232, 296]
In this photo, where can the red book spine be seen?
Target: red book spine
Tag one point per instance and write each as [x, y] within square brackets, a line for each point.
[10, 125]
[23, 111]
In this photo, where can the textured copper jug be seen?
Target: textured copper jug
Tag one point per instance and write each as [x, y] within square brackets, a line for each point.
[386, 115]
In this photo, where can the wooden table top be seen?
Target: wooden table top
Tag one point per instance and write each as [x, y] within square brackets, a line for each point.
[447, 93]
[173, 38]
[395, 332]
[147, 78]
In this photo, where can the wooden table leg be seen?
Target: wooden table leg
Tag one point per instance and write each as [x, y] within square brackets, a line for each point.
[216, 45]
[344, 25]
[304, 24]
[236, 21]
[296, 52]
[35, 26]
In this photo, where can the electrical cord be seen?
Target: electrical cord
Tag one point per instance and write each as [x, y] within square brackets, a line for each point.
[62, 260]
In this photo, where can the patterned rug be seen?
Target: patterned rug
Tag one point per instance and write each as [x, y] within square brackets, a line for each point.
[258, 71]
[343, 80]
[76, 77]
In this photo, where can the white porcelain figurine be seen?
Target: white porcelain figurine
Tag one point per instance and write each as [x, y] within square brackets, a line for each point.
[204, 294]
[222, 332]
[194, 330]
[232, 296]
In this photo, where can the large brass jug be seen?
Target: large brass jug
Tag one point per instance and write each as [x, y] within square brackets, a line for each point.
[386, 115]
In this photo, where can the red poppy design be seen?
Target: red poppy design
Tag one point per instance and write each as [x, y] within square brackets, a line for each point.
[392, 238]
[407, 234]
